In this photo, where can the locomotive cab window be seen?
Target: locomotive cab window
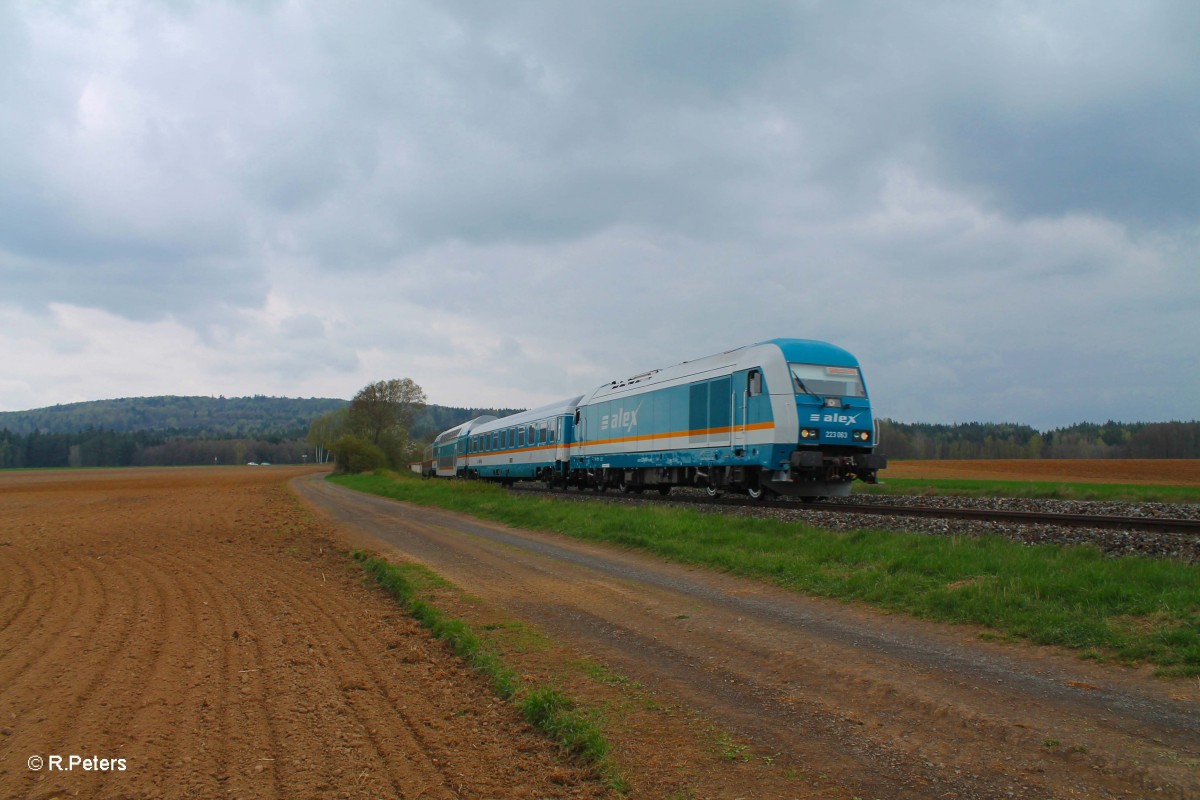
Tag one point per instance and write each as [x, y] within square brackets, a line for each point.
[821, 379]
[754, 383]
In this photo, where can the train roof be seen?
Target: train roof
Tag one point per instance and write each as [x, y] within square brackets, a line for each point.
[464, 428]
[807, 351]
[812, 351]
[559, 408]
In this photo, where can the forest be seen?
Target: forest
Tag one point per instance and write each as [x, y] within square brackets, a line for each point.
[900, 440]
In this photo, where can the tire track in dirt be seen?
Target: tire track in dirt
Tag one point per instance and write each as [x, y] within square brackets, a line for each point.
[360, 686]
[51, 590]
[18, 578]
[173, 643]
[73, 664]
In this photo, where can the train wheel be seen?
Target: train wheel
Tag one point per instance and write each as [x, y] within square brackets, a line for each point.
[712, 491]
[755, 492]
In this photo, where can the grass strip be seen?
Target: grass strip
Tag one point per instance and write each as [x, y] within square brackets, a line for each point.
[544, 707]
[1133, 609]
[1040, 490]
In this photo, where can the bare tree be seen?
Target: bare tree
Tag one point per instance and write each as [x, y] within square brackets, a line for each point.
[325, 430]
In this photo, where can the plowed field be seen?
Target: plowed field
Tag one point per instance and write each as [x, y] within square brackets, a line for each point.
[203, 631]
[1158, 472]
[194, 627]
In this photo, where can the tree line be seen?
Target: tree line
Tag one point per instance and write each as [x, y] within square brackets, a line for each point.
[106, 448]
[976, 440]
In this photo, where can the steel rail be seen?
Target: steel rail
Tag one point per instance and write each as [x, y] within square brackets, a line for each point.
[1151, 524]
[1154, 524]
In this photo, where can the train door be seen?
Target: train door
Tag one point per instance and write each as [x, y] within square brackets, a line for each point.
[746, 384]
[560, 440]
[738, 401]
[720, 411]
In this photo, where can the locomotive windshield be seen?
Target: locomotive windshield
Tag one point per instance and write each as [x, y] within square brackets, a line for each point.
[820, 379]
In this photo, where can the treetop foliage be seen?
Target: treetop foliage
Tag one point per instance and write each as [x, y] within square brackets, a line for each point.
[386, 408]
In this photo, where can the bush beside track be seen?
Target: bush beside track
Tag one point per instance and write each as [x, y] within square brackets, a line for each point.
[1131, 609]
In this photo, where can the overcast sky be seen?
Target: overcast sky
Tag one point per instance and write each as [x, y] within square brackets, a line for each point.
[994, 205]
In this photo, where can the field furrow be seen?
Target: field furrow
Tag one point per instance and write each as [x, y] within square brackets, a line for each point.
[197, 626]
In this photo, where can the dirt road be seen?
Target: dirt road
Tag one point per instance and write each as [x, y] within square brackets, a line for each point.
[199, 631]
[880, 706]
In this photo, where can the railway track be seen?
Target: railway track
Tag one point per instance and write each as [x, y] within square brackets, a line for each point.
[1154, 524]
[1182, 527]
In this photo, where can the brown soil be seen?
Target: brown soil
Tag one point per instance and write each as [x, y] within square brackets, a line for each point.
[198, 624]
[1156, 471]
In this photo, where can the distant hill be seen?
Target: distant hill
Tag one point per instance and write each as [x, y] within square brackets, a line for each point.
[171, 430]
[169, 414]
[213, 417]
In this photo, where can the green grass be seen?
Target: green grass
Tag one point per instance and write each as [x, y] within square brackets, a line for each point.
[544, 707]
[1132, 609]
[1053, 490]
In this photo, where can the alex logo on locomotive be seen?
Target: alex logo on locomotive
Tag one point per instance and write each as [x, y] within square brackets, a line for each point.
[845, 419]
[620, 419]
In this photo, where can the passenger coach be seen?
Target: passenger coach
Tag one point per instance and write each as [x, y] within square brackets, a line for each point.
[532, 445]
[447, 456]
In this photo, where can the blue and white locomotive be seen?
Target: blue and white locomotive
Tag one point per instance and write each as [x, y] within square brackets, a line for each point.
[786, 416]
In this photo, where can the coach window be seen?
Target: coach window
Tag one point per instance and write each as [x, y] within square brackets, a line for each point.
[550, 433]
[520, 437]
[531, 435]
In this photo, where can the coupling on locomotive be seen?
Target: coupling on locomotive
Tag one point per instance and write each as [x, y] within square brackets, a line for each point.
[786, 416]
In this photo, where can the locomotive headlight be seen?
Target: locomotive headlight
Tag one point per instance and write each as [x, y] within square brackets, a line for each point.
[862, 436]
[808, 433]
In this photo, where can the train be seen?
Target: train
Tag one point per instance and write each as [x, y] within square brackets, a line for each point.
[784, 417]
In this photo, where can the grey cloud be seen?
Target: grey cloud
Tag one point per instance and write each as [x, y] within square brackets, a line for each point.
[657, 179]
